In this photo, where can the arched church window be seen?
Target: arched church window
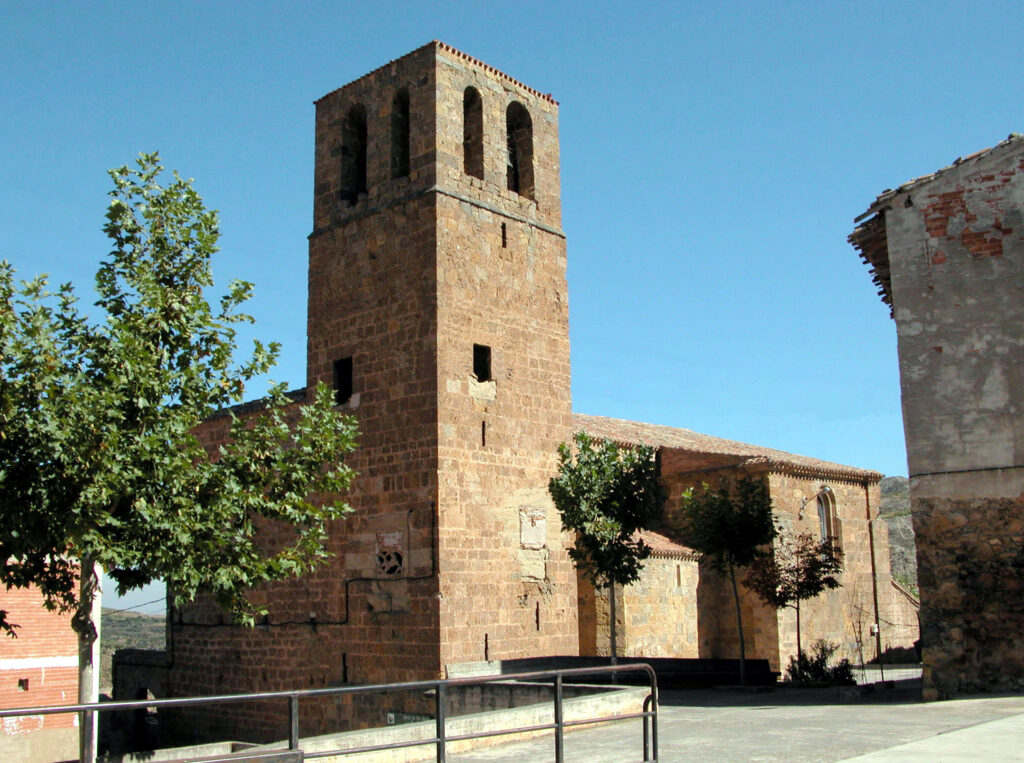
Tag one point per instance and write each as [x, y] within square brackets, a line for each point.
[519, 131]
[828, 518]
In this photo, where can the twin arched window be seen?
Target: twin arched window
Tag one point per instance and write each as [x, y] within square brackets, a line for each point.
[518, 135]
[518, 138]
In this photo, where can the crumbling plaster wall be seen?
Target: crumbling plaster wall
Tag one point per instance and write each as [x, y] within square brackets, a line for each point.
[956, 250]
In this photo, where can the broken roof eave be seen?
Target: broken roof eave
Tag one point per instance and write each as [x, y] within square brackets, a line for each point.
[869, 237]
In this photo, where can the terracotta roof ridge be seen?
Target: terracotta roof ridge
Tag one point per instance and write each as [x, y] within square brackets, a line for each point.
[453, 52]
[687, 440]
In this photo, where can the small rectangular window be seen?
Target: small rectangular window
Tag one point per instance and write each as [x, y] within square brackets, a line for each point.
[342, 380]
[22, 684]
[482, 362]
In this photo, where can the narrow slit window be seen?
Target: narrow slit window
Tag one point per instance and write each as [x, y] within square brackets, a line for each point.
[342, 380]
[504, 236]
[400, 134]
[536, 615]
[472, 133]
[483, 434]
[482, 362]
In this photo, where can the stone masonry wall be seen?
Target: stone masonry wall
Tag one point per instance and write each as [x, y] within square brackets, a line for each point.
[370, 615]
[956, 250]
[453, 545]
[507, 586]
[657, 615]
[844, 615]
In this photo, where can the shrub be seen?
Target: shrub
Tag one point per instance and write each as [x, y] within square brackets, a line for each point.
[815, 668]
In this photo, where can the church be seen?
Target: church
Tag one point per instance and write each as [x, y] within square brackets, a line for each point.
[438, 311]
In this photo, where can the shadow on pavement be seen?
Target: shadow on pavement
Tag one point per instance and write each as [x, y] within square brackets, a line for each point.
[907, 691]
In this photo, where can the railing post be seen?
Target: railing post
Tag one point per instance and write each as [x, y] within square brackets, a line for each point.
[647, 733]
[441, 754]
[654, 718]
[293, 722]
[559, 739]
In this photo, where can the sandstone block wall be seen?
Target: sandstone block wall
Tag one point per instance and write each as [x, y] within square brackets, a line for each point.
[507, 585]
[657, 616]
[843, 616]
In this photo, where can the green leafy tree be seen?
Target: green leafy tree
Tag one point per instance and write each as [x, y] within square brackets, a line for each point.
[798, 568]
[605, 494]
[727, 526]
[99, 466]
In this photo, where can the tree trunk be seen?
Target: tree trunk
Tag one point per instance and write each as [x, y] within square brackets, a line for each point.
[86, 623]
[613, 618]
[739, 626]
[799, 648]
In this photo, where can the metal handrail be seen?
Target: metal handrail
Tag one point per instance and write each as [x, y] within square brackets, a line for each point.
[649, 714]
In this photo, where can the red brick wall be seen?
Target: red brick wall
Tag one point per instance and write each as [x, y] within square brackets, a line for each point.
[45, 653]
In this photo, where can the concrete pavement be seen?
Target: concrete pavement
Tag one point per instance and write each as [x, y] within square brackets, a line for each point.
[796, 725]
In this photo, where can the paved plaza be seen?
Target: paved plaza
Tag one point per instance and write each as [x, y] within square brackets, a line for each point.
[798, 725]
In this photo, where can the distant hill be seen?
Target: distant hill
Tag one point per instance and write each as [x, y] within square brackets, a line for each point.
[127, 630]
[895, 510]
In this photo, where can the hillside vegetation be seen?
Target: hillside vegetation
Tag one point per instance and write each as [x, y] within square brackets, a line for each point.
[895, 510]
[127, 630]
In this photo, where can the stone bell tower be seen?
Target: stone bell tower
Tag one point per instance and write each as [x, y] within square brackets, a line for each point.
[438, 311]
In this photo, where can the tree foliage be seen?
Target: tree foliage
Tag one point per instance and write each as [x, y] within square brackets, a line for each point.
[799, 567]
[605, 494]
[98, 460]
[727, 526]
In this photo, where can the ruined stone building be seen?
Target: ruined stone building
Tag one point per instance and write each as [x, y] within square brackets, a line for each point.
[947, 253]
[438, 311]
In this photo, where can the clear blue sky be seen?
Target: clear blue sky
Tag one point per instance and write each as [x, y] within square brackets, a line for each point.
[714, 156]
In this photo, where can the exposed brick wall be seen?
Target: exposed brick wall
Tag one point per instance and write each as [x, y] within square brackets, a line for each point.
[45, 655]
